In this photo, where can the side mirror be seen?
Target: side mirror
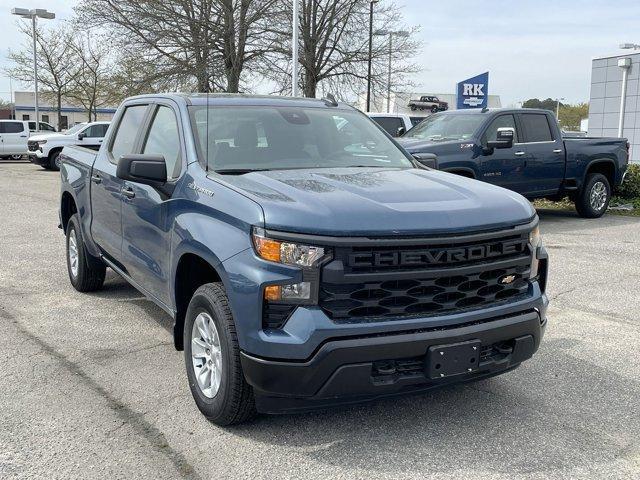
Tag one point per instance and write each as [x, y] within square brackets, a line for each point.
[504, 138]
[147, 169]
[429, 160]
[401, 131]
[82, 135]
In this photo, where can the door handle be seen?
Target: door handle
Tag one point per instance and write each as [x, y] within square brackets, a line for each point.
[96, 179]
[519, 154]
[557, 150]
[23, 136]
[128, 192]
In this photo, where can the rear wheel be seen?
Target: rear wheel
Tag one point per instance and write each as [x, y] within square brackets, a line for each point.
[16, 157]
[86, 273]
[594, 198]
[212, 359]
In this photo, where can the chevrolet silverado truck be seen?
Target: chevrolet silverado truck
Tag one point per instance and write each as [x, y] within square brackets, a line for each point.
[428, 102]
[304, 265]
[45, 148]
[524, 150]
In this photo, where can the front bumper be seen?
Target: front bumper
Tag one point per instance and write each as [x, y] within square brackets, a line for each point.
[346, 370]
[38, 157]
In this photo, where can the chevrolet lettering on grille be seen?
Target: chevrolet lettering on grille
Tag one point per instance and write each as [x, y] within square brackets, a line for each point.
[436, 256]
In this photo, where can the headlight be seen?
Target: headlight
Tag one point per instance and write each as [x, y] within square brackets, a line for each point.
[535, 239]
[41, 142]
[307, 257]
[285, 252]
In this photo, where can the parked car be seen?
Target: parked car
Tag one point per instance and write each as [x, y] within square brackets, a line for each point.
[13, 138]
[45, 149]
[428, 102]
[304, 264]
[523, 150]
[395, 124]
[44, 127]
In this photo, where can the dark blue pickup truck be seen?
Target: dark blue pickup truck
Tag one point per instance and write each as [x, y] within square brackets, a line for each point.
[306, 259]
[523, 150]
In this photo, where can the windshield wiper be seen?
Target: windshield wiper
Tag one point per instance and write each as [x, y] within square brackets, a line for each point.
[240, 171]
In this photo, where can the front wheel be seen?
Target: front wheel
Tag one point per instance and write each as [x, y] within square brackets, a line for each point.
[595, 196]
[212, 359]
[434, 109]
[54, 160]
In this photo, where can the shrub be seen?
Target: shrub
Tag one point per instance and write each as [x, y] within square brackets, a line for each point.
[630, 188]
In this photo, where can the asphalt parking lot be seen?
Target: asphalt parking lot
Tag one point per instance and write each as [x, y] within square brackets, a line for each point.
[91, 386]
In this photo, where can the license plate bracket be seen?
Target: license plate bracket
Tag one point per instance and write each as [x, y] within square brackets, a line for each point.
[453, 359]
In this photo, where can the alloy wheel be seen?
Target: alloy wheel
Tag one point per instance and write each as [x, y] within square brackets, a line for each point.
[73, 253]
[206, 354]
[598, 197]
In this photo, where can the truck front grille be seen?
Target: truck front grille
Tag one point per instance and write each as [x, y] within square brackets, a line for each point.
[32, 145]
[424, 280]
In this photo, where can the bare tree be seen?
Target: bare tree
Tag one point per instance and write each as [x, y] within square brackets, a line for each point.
[210, 41]
[334, 40]
[91, 85]
[56, 62]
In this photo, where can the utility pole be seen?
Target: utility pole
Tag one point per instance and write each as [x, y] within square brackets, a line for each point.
[369, 59]
[294, 49]
[32, 15]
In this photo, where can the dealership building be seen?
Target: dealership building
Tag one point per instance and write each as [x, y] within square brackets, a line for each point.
[614, 109]
[70, 114]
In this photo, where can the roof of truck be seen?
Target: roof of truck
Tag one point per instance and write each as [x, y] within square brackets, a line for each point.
[244, 99]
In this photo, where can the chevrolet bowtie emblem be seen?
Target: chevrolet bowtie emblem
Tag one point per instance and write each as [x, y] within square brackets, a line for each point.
[507, 279]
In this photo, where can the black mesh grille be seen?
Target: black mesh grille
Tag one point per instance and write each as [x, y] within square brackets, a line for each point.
[385, 282]
[423, 296]
[32, 145]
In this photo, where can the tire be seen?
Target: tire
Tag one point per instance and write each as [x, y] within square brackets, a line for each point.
[229, 400]
[593, 200]
[54, 160]
[16, 157]
[434, 109]
[413, 108]
[86, 273]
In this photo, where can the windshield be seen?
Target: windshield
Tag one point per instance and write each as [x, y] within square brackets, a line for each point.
[440, 128]
[75, 128]
[239, 139]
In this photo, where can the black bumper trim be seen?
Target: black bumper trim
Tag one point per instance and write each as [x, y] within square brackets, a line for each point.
[341, 370]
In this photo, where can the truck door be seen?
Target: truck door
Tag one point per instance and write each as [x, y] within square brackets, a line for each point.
[545, 159]
[146, 215]
[504, 166]
[14, 137]
[106, 188]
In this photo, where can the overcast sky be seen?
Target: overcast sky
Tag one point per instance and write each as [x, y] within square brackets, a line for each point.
[540, 48]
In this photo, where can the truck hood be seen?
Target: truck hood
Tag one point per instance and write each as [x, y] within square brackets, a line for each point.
[50, 136]
[380, 202]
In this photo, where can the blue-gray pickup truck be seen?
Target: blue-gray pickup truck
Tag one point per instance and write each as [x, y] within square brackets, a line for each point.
[306, 259]
[523, 150]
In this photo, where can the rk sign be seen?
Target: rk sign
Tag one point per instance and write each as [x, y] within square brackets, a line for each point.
[473, 92]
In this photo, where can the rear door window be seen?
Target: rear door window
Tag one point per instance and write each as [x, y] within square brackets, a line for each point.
[124, 141]
[11, 127]
[96, 131]
[536, 127]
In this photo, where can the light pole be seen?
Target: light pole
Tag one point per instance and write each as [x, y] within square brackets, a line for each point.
[32, 15]
[558, 108]
[371, 2]
[294, 48]
[625, 65]
[399, 33]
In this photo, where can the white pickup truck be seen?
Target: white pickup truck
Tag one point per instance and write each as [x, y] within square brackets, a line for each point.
[45, 149]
